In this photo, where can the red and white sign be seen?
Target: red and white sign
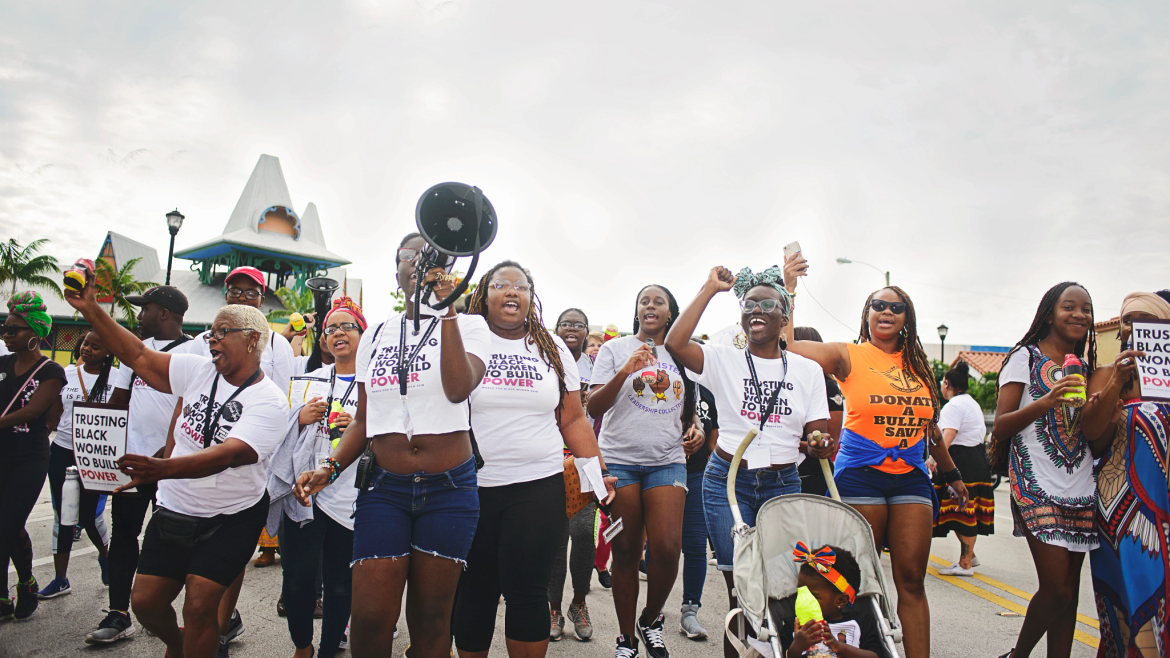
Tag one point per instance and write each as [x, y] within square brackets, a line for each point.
[99, 440]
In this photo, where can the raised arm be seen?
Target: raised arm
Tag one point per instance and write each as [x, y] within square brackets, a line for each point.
[602, 396]
[153, 367]
[833, 358]
[678, 342]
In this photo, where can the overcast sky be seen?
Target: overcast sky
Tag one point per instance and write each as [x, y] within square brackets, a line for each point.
[979, 151]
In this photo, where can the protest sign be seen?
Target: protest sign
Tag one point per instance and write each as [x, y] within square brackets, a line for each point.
[99, 440]
[1153, 337]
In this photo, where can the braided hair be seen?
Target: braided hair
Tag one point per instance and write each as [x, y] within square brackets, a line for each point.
[537, 334]
[915, 364]
[98, 392]
[1040, 328]
[688, 387]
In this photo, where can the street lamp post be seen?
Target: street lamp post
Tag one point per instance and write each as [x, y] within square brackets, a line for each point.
[942, 336]
[174, 223]
[846, 261]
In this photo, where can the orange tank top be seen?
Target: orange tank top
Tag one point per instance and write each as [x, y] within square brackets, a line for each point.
[883, 403]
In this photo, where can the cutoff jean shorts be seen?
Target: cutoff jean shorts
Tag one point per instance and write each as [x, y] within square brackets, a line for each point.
[432, 513]
[865, 485]
[649, 476]
[753, 488]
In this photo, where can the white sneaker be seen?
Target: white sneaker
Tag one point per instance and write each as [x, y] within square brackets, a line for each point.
[974, 562]
[956, 570]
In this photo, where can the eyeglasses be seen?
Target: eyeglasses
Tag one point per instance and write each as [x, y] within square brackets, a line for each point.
[897, 308]
[220, 334]
[236, 293]
[575, 326]
[504, 284]
[765, 306]
[10, 330]
[406, 254]
[344, 326]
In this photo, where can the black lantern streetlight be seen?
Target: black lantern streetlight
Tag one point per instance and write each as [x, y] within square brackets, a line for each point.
[174, 223]
[942, 336]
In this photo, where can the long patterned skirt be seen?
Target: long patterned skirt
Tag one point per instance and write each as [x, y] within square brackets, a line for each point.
[1131, 564]
[978, 517]
[266, 540]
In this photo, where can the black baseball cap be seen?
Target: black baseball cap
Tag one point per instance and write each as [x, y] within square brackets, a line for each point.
[168, 297]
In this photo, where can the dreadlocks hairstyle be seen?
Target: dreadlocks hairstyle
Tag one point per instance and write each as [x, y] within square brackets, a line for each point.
[914, 361]
[688, 387]
[1040, 328]
[537, 334]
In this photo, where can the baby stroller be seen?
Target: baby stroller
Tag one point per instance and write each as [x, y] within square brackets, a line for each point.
[764, 571]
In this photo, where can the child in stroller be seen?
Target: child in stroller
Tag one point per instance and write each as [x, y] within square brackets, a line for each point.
[832, 576]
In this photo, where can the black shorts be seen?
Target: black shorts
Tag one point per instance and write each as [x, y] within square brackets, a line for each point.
[220, 558]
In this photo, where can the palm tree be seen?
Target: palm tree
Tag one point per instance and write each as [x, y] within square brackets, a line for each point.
[294, 302]
[25, 265]
[119, 283]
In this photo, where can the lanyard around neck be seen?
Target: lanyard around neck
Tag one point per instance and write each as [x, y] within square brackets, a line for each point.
[332, 382]
[208, 420]
[404, 362]
[767, 412]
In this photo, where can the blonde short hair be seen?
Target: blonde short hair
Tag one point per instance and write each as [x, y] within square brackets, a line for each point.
[246, 317]
[597, 336]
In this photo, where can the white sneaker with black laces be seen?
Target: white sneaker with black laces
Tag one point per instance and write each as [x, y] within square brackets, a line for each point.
[652, 637]
[116, 626]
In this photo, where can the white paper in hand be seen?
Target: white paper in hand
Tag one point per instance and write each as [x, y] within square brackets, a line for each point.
[589, 470]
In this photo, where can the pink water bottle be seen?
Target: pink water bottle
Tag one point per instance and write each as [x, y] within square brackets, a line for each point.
[1074, 397]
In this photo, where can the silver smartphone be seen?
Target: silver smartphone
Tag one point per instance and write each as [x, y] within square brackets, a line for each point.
[790, 249]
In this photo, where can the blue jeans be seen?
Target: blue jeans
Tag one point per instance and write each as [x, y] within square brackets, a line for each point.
[694, 541]
[866, 485]
[432, 513]
[753, 488]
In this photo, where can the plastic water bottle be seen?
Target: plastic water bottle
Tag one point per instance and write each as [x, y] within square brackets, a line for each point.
[1074, 397]
[71, 497]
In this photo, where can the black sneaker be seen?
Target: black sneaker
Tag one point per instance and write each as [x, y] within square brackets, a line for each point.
[626, 647]
[604, 578]
[116, 626]
[222, 652]
[235, 629]
[651, 636]
[26, 599]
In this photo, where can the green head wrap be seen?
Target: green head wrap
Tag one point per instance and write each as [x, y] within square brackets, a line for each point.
[29, 307]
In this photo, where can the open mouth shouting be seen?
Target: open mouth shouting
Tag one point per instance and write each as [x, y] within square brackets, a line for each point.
[339, 344]
[215, 354]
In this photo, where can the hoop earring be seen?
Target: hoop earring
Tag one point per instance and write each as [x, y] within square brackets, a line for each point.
[32, 344]
[249, 349]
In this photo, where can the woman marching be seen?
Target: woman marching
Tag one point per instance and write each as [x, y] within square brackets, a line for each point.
[89, 380]
[321, 537]
[891, 404]
[573, 328]
[763, 387]
[648, 405]
[415, 518]
[1050, 465]
[30, 385]
[1131, 566]
[963, 429]
[527, 407]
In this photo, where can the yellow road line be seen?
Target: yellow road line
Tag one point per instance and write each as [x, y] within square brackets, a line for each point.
[1080, 636]
[1086, 620]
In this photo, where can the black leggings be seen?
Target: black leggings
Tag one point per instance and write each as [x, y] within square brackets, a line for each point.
[580, 561]
[127, 514]
[322, 546]
[520, 526]
[21, 481]
[60, 459]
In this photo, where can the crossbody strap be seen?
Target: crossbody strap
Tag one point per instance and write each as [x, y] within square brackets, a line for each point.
[44, 362]
[81, 381]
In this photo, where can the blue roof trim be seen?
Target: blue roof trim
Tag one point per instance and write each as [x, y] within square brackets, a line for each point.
[990, 348]
[287, 210]
[225, 247]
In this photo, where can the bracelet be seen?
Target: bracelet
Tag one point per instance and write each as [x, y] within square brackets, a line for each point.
[445, 318]
[334, 468]
[605, 473]
[951, 476]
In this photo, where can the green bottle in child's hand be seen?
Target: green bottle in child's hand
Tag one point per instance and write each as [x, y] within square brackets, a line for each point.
[807, 609]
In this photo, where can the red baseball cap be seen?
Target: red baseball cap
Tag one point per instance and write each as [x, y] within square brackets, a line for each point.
[250, 272]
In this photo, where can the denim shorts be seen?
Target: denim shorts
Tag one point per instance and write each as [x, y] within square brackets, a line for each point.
[432, 513]
[753, 488]
[865, 485]
[649, 476]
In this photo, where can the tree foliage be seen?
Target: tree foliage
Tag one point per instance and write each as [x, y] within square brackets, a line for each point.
[293, 302]
[25, 264]
[118, 284]
[981, 388]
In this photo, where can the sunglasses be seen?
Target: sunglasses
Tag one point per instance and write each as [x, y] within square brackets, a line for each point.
[897, 308]
[10, 330]
[750, 305]
[406, 254]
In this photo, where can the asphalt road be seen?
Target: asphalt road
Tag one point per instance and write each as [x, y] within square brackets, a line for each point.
[970, 617]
